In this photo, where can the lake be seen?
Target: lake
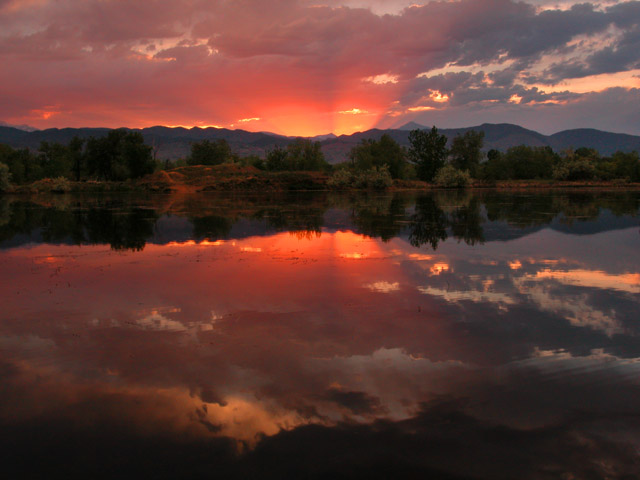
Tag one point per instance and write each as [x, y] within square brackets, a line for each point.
[410, 335]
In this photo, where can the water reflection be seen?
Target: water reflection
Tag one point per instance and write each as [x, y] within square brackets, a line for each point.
[426, 219]
[324, 336]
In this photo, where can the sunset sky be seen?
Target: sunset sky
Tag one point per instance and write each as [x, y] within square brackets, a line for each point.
[304, 67]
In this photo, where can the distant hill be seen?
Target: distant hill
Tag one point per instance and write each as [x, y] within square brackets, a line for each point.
[500, 136]
[168, 142]
[173, 143]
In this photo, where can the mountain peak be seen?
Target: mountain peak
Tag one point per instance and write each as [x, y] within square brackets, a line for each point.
[411, 126]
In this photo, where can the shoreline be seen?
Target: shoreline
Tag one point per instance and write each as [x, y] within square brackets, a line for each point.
[231, 178]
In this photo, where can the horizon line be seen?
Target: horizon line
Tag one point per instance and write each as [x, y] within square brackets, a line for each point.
[217, 127]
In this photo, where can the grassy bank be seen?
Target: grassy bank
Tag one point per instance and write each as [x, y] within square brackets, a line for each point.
[231, 177]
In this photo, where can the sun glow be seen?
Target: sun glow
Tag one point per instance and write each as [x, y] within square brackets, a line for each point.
[353, 111]
[311, 119]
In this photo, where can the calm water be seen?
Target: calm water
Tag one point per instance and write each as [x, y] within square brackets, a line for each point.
[303, 336]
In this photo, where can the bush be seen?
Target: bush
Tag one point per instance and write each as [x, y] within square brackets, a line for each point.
[60, 185]
[578, 169]
[450, 177]
[341, 179]
[5, 177]
[377, 178]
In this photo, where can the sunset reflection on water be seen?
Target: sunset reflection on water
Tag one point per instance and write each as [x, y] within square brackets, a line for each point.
[254, 339]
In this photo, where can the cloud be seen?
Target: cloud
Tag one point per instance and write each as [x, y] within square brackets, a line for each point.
[353, 111]
[359, 403]
[113, 62]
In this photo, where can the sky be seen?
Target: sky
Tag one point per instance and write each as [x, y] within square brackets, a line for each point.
[305, 67]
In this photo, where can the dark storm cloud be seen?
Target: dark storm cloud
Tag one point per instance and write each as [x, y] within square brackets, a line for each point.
[623, 55]
[359, 403]
[466, 88]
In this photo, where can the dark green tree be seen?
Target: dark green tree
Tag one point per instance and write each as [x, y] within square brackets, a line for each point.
[276, 159]
[305, 154]
[77, 157]
[5, 177]
[493, 154]
[584, 152]
[119, 156]
[209, 153]
[101, 155]
[466, 151]
[525, 163]
[428, 151]
[627, 165]
[302, 154]
[55, 159]
[24, 165]
[378, 153]
[138, 156]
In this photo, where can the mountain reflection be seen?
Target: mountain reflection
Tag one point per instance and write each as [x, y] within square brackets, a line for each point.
[321, 336]
[426, 219]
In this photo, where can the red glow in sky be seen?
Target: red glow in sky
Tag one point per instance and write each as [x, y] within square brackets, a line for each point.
[297, 68]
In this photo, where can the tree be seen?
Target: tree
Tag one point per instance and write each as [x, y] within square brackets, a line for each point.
[15, 161]
[393, 155]
[276, 159]
[209, 153]
[55, 159]
[627, 165]
[76, 155]
[138, 156]
[304, 154]
[428, 151]
[466, 151]
[119, 156]
[379, 153]
[5, 177]
[524, 162]
[23, 165]
[584, 152]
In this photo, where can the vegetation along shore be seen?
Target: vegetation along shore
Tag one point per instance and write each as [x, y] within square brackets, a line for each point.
[121, 161]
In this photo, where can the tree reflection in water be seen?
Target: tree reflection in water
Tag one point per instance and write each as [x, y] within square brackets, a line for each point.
[320, 336]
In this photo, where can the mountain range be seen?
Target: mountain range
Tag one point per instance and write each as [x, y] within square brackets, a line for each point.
[173, 143]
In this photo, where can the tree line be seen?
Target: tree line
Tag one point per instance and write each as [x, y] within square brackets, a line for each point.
[430, 158]
[123, 155]
[120, 155]
[302, 154]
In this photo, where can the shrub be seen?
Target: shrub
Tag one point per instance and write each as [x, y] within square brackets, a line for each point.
[450, 177]
[377, 178]
[60, 185]
[578, 169]
[341, 179]
[5, 177]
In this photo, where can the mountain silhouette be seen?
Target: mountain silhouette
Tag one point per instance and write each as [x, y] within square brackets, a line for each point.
[175, 142]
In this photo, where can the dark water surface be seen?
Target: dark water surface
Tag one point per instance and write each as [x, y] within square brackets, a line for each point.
[447, 335]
